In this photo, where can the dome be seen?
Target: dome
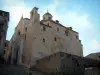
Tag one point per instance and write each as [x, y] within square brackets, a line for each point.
[47, 16]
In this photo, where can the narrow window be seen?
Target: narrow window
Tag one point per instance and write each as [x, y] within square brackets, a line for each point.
[18, 33]
[55, 39]
[25, 29]
[4, 52]
[0, 37]
[57, 29]
[76, 37]
[43, 40]
[48, 24]
[44, 28]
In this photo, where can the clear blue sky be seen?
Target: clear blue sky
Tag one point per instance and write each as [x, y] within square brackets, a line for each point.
[82, 15]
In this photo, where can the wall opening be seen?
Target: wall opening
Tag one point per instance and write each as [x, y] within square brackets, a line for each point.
[55, 39]
[44, 29]
[43, 40]
[57, 29]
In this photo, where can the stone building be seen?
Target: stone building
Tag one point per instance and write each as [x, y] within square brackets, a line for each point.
[93, 70]
[62, 63]
[4, 19]
[34, 39]
[95, 56]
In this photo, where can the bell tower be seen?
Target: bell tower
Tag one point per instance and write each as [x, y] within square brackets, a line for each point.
[34, 16]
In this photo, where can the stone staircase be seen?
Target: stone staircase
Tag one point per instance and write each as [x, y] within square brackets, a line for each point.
[13, 70]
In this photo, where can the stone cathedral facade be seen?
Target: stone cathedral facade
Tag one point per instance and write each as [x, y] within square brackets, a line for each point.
[34, 39]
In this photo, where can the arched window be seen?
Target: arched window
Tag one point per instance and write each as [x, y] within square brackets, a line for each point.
[19, 33]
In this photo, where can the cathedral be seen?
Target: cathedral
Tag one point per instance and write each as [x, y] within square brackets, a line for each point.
[34, 39]
[47, 46]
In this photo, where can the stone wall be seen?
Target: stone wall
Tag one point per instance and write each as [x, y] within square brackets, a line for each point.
[60, 63]
[92, 71]
[64, 63]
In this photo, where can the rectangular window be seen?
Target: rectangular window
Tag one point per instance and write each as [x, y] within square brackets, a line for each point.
[55, 39]
[57, 29]
[19, 33]
[76, 37]
[44, 29]
[48, 24]
[25, 29]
